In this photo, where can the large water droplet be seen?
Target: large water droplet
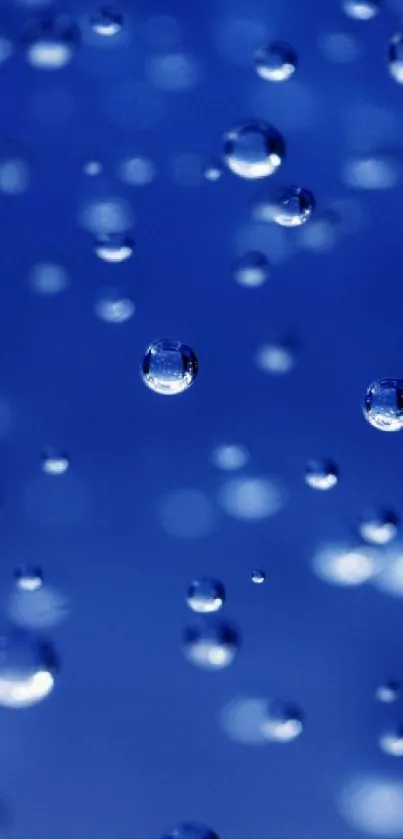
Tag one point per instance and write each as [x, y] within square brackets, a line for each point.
[253, 149]
[276, 62]
[169, 367]
[322, 474]
[190, 830]
[383, 405]
[292, 206]
[205, 595]
[211, 647]
[50, 43]
[26, 670]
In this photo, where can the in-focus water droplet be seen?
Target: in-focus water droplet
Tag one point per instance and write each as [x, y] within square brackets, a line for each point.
[50, 43]
[113, 306]
[211, 647]
[292, 206]
[258, 576]
[388, 691]
[205, 595]
[114, 247]
[361, 9]
[251, 270]
[282, 722]
[391, 741]
[55, 463]
[379, 528]
[213, 171]
[277, 358]
[322, 474]
[395, 55]
[190, 830]
[169, 367]
[27, 670]
[253, 149]
[383, 405]
[28, 578]
[276, 62]
[230, 457]
[106, 21]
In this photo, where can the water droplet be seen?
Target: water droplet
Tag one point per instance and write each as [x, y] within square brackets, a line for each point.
[373, 172]
[379, 528]
[258, 576]
[276, 62]
[282, 722]
[391, 741]
[230, 457]
[277, 358]
[292, 206]
[383, 405]
[346, 565]
[113, 307]
[322, 474]
[48, 278]
[396, 58]
[361, 9]
[137, 171]
[211, 647]
[92, 168]
[213, 171]
[205, 595]
[251, 499]
[251, 270]
[55, 464]
[28, 578]
[107, 21]
[190, 830]
[253, 149]
[388, 691]
[27, 670]
[169, 367]
[114, 247]
[50, 43]
[14, 176]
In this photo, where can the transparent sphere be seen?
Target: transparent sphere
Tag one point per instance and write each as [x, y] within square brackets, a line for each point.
[205, 595]
[106, 21]
[55, 463]
[292, 206]
[211, 647]
[113, 307]
[253, 149]
[276, 62]
[251, 270]
[388, 692]
[383, 405]
[395, 55]
[230, 457]
[391, 741]
[361, 9]
[190, 830]
[114, 247]
[27, 670]
[321, 474]
[50, 43]
[28, 578]
[379, 528]
[258, 576]
[282, 722]
[169, 367]
[213, 171]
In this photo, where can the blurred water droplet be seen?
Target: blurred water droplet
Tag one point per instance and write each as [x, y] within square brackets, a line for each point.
[54, 463]
[322, 474]
[373, 805]
[345, 565]
[251, 270]
[48, 278]
[106, 21]
[388, 692]
[321, 234]
[92, 168]
[113, 307]
[340, 47]
[6, 49]
[190, 830]
[174, 72]
[137, 171]
[383, 405]
[38, 609]
[396, 58]
[258, 576]
[205, 595]
[213, 171]
[230, 457]
[15, 176]
[26, 670]
[282, 722]
[276, 358]
[211, 647]
[253, 149]
[361, 9]
[169, 367]
[28, 578]
[50, 43]
[379, 528]
[373, 172]
[106, 216]
[252, 498]
[276, 62]
[391, 742]
[114, 247]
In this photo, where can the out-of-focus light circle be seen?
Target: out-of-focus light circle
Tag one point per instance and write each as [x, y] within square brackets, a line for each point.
[321, 234]
[391, 742]
[211, 647]
[114, 248]
[388, 692]
[373, 805]
[106, 216]
[340, 47]
[252, 498]
[321, 474]
[26, 670]
[137, 171]
[251, 270]
[213, 171]
[342, 565]
[361, 9]
[383, 404]
[15, 176]
[230, 457]
[390, 578]
[48, 278]
[169, 367]
[50, 43]
[38, 609]
[92, 168]
[113, 307]
[205, 595]
[379, 528]
[254, 721]
[276, 62]
[275, 358]
[373, 172]
[173, 72]
[253, 149]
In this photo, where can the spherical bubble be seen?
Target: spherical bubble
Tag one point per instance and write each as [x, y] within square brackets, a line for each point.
[373, 805]
[258, 576]
[361, 9]
[383, 405]
[14, 176]
[230, 457]
[48, 278]
[169, 367]
[174, 72]
[251, 270]
[205, 595]
[253, 149]
[106, 21]
[211, 647]
[252, 498]
[391, 741]
[276, 358]
[281, 723]
[396, 57]
[388, 692]
[26, 670]
[321, 474]
[55, 463]
[113, 307]
[106, 216]
[292, 206]
[213, 171]
[373, 172]
[114, 247]
[50, 43]
[345, 565]
[92, 168]
[28, 578]
[379, 528]
[137, 171]
[190, 830]
[340, 47]
[276, 62]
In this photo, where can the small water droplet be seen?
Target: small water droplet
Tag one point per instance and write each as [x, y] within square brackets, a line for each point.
[54, 463]
[276, 62]
[137, 171]
[379, 528]
[28, 578]
[213, 171]
[48, 278]
[322, 474]
[211, 647]
[50, 43]
[230, 457]
[113, 307]
[169, 367]
[251, 270]
[106, 21]
[277, 358]
[258, 576]
[92, 168]
[292, 206]
[361, 9]
[27, 669]
[114, 247]
[282, 722]
[205, 595]
[388, 691]
[396, 58]
[253, 149]
[391, 741]
[383, 405]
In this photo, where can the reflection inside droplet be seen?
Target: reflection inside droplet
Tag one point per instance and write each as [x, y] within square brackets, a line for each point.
[169, 367]
[26, 670]
[253, 149]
